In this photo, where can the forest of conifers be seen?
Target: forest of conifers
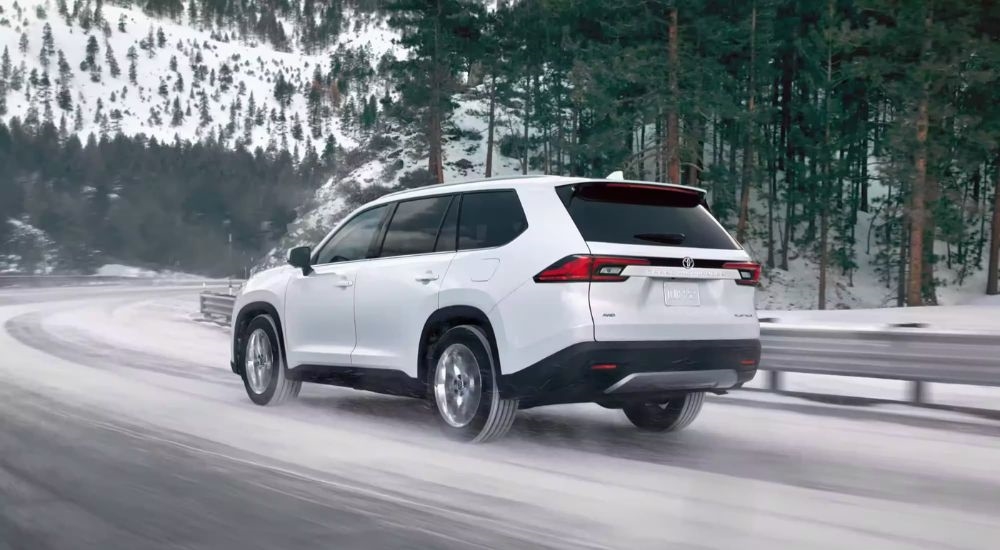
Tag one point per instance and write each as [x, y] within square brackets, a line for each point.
[800, 117]
[796, 115]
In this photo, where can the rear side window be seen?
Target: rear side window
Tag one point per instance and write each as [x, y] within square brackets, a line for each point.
[488, 219]
[642, 214]
[414, 227]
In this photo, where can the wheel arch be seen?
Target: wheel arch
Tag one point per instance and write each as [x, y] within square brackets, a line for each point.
[247, 313]
[446, 318]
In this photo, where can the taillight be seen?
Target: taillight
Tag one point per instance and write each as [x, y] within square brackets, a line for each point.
[583, 268]
[749, 272]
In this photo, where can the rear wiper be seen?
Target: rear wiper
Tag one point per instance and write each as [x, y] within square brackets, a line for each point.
[662, 238]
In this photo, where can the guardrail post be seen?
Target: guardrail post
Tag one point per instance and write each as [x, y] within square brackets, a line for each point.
[918, 393]
[774, 377]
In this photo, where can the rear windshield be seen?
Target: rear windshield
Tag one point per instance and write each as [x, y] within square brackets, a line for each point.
[642, 214]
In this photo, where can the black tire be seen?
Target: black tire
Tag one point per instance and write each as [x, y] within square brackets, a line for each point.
[671, 416]
[279, 388]
[494, 416]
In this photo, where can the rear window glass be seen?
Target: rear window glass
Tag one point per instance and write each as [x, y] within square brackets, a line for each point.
[642, 214]
[490, 218]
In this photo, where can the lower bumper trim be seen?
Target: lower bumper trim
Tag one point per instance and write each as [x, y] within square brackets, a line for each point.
[642, 382]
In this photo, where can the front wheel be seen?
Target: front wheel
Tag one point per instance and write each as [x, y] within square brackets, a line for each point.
[670, 416]
[462, 378]
[264, 374]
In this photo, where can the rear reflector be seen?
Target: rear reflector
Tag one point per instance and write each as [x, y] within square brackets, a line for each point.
[586, 268]
[749, 272]
[748, 362]
[604, 366]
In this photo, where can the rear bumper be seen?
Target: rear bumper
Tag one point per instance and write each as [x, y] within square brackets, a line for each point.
[642, 370]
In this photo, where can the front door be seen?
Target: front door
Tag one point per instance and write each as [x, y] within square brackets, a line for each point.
[319, 307]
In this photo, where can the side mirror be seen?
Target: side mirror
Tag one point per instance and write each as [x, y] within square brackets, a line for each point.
[301, 257]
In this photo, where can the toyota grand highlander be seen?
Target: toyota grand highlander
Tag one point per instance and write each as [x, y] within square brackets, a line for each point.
[493, 296]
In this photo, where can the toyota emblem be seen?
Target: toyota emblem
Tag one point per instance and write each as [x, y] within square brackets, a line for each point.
[688, 263]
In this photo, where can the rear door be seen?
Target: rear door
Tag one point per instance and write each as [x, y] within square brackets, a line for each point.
[674, 273]
[398, 290]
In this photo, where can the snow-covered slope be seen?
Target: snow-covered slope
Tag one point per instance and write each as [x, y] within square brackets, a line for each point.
[203, 72]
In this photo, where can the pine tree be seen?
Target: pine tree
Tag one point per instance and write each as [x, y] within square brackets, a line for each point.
[314, 105]
[48, 45]
[109, 57]
[64, 99]
[5, 66]
[133, 70]
[176, 114]
[121, 23]
[297, 134]
[330, 152]
[173, 63]
[90, 61]
[225, 77]
[436, 33]
[116, 122]
[204, 115]
[22, 44]
[63, 129]
[161, 39]
[65, 71]
[162, 89]
[78, 119]
[99, 11]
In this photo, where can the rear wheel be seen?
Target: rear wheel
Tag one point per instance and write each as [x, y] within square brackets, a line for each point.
[462, 379]
[265, 376]
[670, 416]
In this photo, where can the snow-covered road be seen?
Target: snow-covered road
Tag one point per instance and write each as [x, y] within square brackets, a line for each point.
[121, 426]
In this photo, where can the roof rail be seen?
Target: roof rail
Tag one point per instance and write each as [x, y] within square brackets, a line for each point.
[464, 182]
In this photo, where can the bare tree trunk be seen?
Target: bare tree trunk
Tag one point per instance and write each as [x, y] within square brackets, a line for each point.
[994, 256]
[527, 113]
[435, 163]
[901, 276]
[914, 292]
[748, 152]
[642, 147]
[698, 162]
[659, 152]
[824, 221]
[673, 124]
[491, 125]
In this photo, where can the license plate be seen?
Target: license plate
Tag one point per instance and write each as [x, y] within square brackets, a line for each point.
[681, 294]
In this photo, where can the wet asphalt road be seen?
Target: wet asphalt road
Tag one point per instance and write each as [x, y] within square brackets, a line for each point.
[79, 469]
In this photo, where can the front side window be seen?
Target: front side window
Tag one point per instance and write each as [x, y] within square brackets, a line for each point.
[489, 219]
[414, 227]
[353, 240]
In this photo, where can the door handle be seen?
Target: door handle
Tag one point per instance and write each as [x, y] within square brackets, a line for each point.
[343, 283]
[427, 277]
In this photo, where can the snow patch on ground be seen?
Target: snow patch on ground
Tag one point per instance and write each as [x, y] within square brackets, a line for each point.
[118, 270]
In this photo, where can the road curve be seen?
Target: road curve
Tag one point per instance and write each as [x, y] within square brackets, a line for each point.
[122, 427]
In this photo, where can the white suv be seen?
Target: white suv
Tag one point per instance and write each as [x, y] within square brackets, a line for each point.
[493, 296]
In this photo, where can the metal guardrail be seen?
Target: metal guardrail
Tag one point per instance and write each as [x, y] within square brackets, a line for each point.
[217, 306]
[912, 355]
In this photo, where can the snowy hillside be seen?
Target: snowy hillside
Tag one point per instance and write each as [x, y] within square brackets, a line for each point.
[132, 73]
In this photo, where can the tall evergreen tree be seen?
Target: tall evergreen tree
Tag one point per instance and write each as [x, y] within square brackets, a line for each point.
[436, 33]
